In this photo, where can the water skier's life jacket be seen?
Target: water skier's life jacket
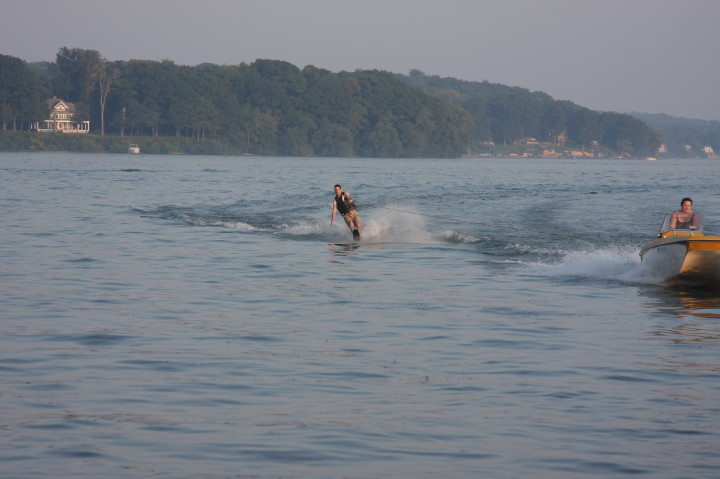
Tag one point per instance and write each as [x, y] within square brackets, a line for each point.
[343, 208]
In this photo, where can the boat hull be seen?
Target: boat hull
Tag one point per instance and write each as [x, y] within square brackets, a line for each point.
[684, 259]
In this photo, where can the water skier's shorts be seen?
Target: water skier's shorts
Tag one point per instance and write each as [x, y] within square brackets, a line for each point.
[350, 216]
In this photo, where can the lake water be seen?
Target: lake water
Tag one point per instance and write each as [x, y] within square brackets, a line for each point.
[199, 317]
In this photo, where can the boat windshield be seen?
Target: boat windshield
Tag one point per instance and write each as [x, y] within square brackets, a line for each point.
[679, 221]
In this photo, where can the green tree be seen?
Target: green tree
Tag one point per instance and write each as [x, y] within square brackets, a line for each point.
[452, 132]
[553, 122]
[414, 144]
[384, 140]
[584, 127]
[507, 123]
[295, 142]
[627, 135]
[181, 116]
[333, 140]
[21, 94]
[75, 73]
[138, 118]
[295, 135]
[105, 76]
[204, 118]
[266, 133]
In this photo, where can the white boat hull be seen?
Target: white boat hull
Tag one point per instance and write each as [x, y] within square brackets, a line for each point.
[690, 260]
[664, 261]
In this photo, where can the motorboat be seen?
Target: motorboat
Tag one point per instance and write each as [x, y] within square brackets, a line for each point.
[682, 253]
[134, 148]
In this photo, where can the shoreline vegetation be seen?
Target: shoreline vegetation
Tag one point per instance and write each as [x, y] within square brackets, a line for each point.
[23, 141]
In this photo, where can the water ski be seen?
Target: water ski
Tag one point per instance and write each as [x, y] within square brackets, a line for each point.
[356, 235]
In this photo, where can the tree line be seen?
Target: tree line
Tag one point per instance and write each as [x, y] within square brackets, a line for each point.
[272, 107]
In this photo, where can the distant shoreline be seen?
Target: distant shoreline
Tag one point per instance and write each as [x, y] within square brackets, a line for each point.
[24, 141]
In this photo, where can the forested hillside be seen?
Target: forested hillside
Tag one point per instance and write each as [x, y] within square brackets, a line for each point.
[268, 107]
[504, 114]
[272, 107]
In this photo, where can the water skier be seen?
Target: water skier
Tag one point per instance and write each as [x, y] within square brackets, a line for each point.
[344, 203]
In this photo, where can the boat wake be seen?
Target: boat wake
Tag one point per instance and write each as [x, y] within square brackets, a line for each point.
[378, 225]
[385, 226]
[219, 217]
[614, 263]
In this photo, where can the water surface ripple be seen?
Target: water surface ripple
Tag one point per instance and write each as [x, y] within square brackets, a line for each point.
[194, 316]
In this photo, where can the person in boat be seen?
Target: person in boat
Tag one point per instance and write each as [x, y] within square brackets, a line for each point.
[684, 218]
[344, 203]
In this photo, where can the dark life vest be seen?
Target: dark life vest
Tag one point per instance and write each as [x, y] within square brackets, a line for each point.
[342, 207]
[687, 224]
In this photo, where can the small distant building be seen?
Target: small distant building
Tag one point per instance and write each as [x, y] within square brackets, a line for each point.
[581, 154]
[708, 150]
[62, 118]
[662, 149]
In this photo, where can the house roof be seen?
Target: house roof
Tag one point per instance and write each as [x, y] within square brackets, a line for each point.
[56, 103]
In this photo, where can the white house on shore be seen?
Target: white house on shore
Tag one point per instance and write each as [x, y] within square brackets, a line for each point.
[62, 118]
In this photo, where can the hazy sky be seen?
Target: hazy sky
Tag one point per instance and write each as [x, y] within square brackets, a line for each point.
[654, 56]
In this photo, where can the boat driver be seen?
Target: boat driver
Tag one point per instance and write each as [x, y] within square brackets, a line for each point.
[684, 218]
